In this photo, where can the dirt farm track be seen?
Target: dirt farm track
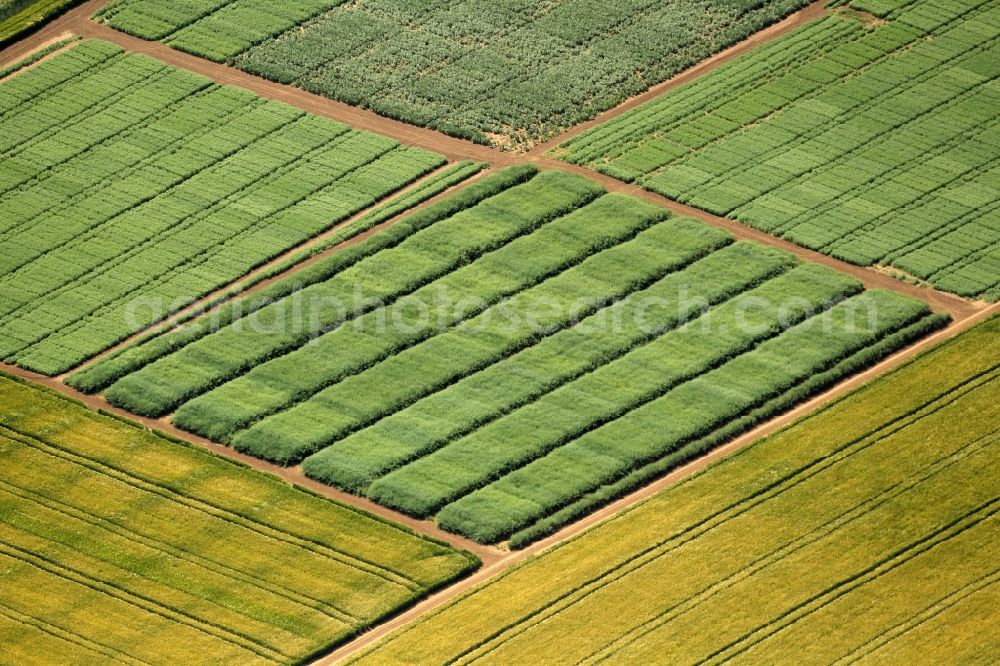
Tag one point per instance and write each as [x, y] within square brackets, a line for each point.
[496, 559]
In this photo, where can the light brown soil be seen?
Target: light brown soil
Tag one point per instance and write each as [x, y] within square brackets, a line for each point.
[965, 312]
[628, 502]
[294, 475]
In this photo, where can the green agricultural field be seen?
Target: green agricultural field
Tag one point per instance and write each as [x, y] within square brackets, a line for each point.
[19, 16]
[869, 530]
[117, 545]
[129, 188]
[508, 73]
[877, 145]
[513, 356]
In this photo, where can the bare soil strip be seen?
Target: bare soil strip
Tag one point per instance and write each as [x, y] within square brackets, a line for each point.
[57, 38]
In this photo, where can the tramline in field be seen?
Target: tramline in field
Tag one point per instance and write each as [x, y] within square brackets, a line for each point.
[868, 531]
[119, 546]
[657, 338]
[877, 145]
[129, 189]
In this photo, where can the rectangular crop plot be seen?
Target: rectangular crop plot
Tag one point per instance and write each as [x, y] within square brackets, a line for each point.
[878, 145]
[868, 532]
[507, 73]
[118, 546]
[129, 189]
[513, 356]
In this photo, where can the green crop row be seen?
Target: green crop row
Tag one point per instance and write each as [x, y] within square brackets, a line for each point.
[535, 332]
[129, 189]
[17, 17]
[513, 260]
[874, 145]
[576, 283]
[101, 374]
[724, 562]
[510, 74]
[687, 411]
[495, 391]
[637, 378]
[432, 251]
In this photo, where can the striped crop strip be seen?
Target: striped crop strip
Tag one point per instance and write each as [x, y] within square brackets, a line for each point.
[819, 128]
[798, 544]
[642, 340]
[201, 257]
[60, 206]
[836, 161]
[775, 112]
[585, 254]
[615, 138]
[930, 612]
[742, 349]
[741, 506]
[92, 70]
[203, 506]
[69, 636]
[605, 306]
[143, 603]
[120, 135]
[971, 216]
[185, 222]
[884, 177]
[99, 107]
[218, 568]
[952, 530]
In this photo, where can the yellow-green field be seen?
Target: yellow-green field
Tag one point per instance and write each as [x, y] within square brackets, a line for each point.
[117, 545]
[868, 530]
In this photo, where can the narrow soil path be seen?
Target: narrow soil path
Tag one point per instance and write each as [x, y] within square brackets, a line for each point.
[791, 22]
[939, 301]
[294, 475]
[612, 510]
[495, 559]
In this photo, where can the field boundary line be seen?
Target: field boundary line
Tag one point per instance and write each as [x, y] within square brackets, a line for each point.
[248, 283]
[217, 568]
[149, 605]
[70, 637]
[939, 301]
[609, 511]
[202, 506]
[814, 10]
[39, 47]
[291, 475]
